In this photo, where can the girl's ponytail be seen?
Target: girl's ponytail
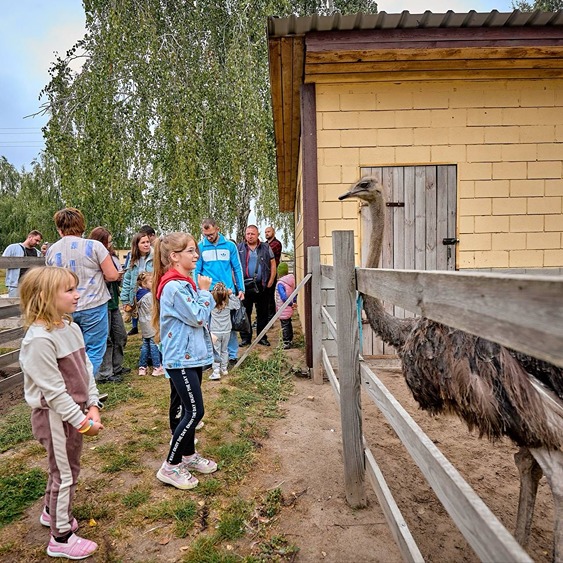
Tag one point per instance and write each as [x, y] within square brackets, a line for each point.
[158, 271]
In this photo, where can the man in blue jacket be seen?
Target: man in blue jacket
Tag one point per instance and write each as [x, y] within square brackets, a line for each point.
[19, 250]
[219, 259]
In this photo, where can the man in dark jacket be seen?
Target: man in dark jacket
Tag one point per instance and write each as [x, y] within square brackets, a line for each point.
[276, 247]
[259, 270]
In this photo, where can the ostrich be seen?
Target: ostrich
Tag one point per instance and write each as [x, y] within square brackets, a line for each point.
[485, 384]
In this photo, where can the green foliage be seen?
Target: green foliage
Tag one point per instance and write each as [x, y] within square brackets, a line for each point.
[169, 119]
[544, 5]
[136, 497]
[19, 489]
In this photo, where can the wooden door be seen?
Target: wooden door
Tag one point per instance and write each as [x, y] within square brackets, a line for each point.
[420, 217]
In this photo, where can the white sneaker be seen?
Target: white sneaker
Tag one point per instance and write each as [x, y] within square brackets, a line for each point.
[224, 372]
[200, 425]
[215, 376]
[177, 475]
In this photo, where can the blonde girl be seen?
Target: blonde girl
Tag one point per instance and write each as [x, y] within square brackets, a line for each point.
[180, 317]
[59, 386]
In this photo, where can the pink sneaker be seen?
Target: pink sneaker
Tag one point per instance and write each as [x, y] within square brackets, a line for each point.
[158, 371]
[177, 475]
[45, 519]
[75, 548]
[199, 464]
[142, 371]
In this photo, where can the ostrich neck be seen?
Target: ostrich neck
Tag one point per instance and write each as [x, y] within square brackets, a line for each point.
[388, 327]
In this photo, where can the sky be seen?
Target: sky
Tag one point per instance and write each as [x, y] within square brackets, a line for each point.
[32, 31]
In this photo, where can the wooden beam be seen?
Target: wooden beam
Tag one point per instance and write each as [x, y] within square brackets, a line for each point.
[7, 262]
[11, 334]
[348, 369]
[523, 74]
[314, 261]
[521, 312]
[433, 54]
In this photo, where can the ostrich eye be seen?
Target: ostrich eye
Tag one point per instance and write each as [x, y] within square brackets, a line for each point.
[364, 184]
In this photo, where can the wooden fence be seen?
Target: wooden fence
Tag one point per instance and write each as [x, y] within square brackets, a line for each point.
[10, 308]
[522, 312]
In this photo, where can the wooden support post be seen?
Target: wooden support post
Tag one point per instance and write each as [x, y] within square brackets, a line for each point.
[314, 262]
[349, 367]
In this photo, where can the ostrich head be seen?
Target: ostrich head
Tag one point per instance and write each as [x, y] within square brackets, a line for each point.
[368, 189]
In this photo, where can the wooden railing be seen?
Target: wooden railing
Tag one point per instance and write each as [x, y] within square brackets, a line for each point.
[10, 308]
[522, 312]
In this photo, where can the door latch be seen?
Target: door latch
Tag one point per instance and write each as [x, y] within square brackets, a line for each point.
[450, 241]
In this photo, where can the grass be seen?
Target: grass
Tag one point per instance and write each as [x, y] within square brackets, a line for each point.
[18, 490]
[118, 494]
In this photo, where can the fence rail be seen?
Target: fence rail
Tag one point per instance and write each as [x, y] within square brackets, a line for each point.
[519, 311]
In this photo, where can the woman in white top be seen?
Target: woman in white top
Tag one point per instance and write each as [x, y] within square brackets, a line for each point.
[92, 263]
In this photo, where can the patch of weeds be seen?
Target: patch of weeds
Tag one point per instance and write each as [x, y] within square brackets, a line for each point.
[182, 511]
[116, 459]
[203, 550]
[209, 487]
[15, 427]
[236, 458]
[136, 497]
[119, 393]
[19, 490]
[96, 508]
[272, 503]
[277, 549]
[231, 525]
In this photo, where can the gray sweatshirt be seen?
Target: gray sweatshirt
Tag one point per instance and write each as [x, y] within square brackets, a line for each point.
[221, 318]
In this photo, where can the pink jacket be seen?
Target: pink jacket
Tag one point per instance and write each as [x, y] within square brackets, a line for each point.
[288, 283]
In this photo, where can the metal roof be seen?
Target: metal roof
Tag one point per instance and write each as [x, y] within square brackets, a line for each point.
[300, 25]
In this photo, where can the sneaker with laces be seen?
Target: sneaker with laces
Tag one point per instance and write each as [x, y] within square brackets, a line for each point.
[156, 372]
[200, 425]
[178, 476]
[45, 520]
[142, 371]
[199, 464]
[75, 548]
[215, 375]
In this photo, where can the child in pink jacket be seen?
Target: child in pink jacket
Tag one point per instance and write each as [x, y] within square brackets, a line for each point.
[284, 288]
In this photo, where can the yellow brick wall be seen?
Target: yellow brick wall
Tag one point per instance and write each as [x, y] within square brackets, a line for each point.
[506, 138]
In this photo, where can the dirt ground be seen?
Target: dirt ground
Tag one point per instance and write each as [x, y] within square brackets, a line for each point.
[303, 456]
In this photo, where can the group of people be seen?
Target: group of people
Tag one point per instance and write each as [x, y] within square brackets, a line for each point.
[183, 293]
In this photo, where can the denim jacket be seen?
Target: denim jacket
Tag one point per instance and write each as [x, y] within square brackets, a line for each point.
[184, 325]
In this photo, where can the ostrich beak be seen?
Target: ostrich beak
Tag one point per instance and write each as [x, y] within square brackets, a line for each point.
[346, 195]
[359, 189]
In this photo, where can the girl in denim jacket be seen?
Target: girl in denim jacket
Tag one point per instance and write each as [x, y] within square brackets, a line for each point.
[181, 315]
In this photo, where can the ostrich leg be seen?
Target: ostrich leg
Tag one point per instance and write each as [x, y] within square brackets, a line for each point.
[530, 475]
[551, 462]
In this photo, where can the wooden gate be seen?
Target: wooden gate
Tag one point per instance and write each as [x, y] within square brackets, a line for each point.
[420, 227]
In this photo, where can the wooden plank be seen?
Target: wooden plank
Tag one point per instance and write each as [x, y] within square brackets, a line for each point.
[316, 316]
[348, 369]
[330, 324]
[438, 75]
[490, 540]
[397, 524]
[286, 50]
[410, 222]
[430, 65]
[441, 217]
[518, 311]
[11, 382]
[7, 311]
[334, 384]
[540, 53]
[420, 218]
[11, 334]
[327, 271]
[452, 214]
[9, 358]
[430, 192]
[398, 214]
[297, 68]
[7, 262]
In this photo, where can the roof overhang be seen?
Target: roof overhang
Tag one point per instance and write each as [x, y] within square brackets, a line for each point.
[399, 47]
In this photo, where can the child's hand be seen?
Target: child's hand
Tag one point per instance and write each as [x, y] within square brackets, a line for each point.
[94, 429]
[230, 291]
[94, 414]
[204, 282]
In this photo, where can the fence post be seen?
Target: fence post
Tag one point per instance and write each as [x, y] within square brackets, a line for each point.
[314, 261]
[349, 367]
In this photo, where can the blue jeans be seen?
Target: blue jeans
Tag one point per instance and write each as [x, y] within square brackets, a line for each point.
[232, 347]
[149, 348]
[94, 326]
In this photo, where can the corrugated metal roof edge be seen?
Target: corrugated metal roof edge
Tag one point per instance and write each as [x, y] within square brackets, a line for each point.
[300, 25]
